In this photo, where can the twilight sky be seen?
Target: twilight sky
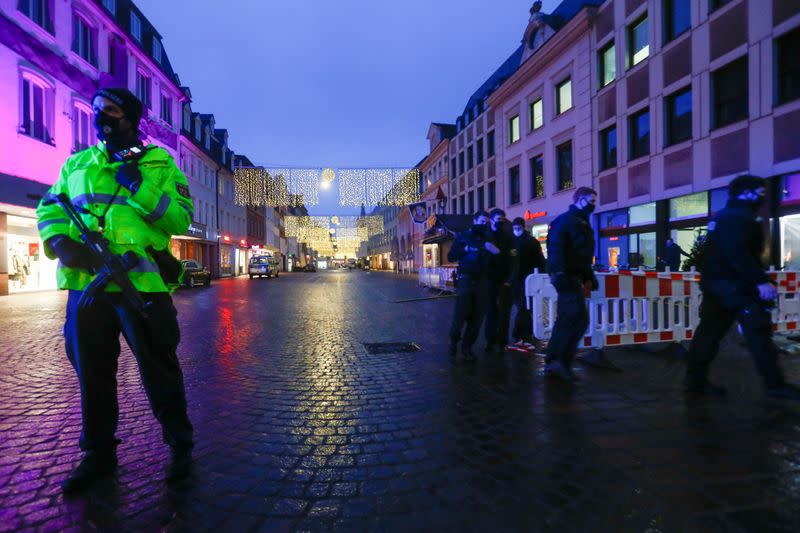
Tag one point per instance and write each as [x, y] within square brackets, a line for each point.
[321, 83]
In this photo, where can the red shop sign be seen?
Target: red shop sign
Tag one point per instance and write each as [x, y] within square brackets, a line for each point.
[534, 216]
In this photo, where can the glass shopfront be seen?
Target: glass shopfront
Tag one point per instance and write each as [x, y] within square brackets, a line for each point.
[628, 238]
[790, 222]
[539, 233]
[225, 260]
[28, 268]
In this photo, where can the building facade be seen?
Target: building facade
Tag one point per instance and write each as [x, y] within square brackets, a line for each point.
[543, 115]
[54, 55]
[686, 96]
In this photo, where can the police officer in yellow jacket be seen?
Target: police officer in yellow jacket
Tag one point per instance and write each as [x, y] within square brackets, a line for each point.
[137, 206]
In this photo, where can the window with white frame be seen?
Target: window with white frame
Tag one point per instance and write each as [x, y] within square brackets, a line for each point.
[39, 11]
[82, 127]
[187, 119]
[564, 96]
[143, 88]
[83, 39]
[156, 49]
[166, 109]
[111, 5]
[37, 108]
[136, 27]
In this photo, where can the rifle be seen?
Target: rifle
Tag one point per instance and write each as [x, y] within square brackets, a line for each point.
[114, 267]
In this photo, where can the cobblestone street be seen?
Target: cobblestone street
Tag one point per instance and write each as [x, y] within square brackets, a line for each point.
[298, 427]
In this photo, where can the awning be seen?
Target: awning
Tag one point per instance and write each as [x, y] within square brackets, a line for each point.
[445, 227]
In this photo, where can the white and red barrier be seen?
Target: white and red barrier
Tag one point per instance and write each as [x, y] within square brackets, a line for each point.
[633, 307]
[439, 278]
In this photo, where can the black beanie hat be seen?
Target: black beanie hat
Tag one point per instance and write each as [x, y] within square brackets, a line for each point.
[519, 221]
[744, 183]
[126, 100]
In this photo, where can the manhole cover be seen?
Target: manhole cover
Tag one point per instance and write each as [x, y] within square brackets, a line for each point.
[391, 347]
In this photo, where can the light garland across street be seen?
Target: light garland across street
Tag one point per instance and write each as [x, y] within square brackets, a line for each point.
[291, 187]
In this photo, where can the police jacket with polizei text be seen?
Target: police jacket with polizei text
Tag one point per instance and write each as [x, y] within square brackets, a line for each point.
[570, 245]
[525, 256]
[735, 244]
[471, 263]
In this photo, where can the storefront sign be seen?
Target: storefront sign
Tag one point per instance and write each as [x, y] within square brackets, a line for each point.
[418, 212]
[534, 216]
[33, 250]
[196, 230]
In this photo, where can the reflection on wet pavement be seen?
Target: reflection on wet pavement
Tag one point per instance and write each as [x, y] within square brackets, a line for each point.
[298, 427]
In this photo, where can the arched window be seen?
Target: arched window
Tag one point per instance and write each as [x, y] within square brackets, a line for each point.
[83, 135]
[37, 106]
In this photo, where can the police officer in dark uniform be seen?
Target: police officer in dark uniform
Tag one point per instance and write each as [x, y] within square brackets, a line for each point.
[736, 288]
[498, 312]
[570, 250]
[472, 250]
[525, 256]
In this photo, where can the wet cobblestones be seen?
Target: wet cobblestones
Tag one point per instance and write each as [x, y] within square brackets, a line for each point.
[298, 428]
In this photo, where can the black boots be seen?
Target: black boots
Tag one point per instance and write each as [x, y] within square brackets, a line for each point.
[94, 466]
[561, 371]
[704, 388]
[180, 465]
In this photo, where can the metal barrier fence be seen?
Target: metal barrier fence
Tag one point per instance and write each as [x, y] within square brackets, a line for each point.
[440, 278]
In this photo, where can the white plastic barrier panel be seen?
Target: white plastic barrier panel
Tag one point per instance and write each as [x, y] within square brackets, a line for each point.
[786, 314]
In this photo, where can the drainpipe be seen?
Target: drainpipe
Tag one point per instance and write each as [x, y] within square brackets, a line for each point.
[216, 203]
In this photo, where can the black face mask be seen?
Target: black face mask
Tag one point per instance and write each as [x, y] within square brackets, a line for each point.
[108, 128]
[588, 209]
[756, 204]
[479, 228]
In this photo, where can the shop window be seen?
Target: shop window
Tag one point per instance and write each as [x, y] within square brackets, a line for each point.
[537, 176]
[614, 219]
[678, 119]
[608, 64]
[639, 134]
[513, 129]
[37, 108]
[82, 127]
[790, 242]
[787, 68]
[479, 150]
[536, 114]
[638, 42]
[39, 11]
[677, 18]
[790, 192]
[492, 195]
[490, 144]
[693, 205]
[513, 185]
[83, 39]
[608, 148]
[564, 165]
[642, 214]
[564, 96]
[729, 93]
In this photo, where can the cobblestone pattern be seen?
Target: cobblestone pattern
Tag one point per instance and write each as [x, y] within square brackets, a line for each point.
[298, 428]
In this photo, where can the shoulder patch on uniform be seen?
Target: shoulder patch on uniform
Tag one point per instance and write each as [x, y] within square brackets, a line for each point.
[712, 225]
[183, 190]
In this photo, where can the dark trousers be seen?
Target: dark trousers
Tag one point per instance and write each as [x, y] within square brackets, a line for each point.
[92, 342]
[469, 310]
[716, 317]
[571, 323]
[523, 325]
[498, 313]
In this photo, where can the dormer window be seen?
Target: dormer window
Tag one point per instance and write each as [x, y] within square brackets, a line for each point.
[197, 129]
[136, 27]
[532, 40]
[157, 50]
[111, 5]
[187, 118]
[208, 139]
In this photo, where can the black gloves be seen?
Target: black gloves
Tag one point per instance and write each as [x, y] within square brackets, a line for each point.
[72, 253]
[129, 176]
[562, 282]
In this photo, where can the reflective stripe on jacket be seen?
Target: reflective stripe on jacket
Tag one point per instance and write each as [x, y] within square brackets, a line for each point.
[160, 208]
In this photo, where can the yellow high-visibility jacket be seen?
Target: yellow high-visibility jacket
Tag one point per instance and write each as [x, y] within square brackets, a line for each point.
[161, 207]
